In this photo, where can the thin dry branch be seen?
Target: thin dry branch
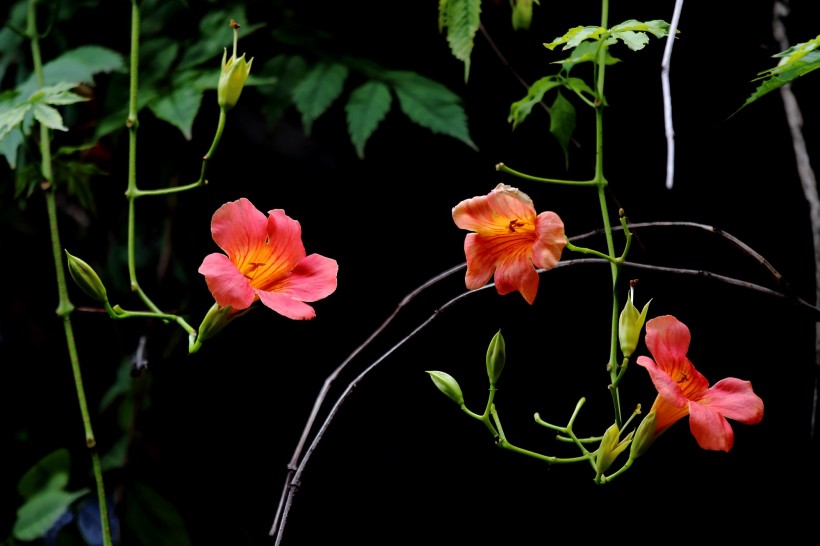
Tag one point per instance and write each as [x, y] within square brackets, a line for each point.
[298, 463]
[807, 180]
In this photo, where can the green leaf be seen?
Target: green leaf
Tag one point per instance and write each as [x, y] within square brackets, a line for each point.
[585, 52]
[431, 105]
[78, 65]
[9, 145]
[317, 91]
[797, 61]
[179, 108]
[575, 36]
[39, 513]
[49, 116]
[60, 94]
[520, 109]
[288, 71]
[631, 32]
[562, 123]
[12, 118]
[152, 519]
[42, 475]
[366, 108]
[215, 35]
[462, 19]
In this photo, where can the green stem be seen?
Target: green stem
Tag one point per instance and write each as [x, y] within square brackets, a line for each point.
[614, 264]
[65, 307]
[202, 180]
[504, 169]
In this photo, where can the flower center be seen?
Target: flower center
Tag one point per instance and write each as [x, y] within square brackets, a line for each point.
[515, 224]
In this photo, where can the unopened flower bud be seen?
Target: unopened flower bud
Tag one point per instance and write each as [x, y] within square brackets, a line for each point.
[610, 448]
[521, 13]
[234, 73]
[630, 324]
[447, 384]
[86, 278]
[215, 320]
[644, 436]
[496, 357]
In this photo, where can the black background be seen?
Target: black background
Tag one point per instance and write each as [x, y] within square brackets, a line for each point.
[400, 462]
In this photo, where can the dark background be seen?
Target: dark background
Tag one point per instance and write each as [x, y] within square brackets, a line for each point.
[400, 462]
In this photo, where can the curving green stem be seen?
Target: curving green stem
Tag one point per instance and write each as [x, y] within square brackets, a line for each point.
[65, 307]
[133, 192]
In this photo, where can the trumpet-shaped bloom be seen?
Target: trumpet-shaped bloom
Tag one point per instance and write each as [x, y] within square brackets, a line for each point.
[509, 240]
[266, 261]
[682, 390]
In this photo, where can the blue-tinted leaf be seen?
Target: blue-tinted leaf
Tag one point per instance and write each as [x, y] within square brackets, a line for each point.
[365, 109]
[90, 523]
[179, 108]
[41, 476]
[50, 538]
[431, 105]
[520, 109]
[317, 91]
[42, 511]
[562, 123]
[462, 19]
[152, 519]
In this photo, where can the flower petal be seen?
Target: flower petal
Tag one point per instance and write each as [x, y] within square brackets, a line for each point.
[667, 339]
[226, 282]
[287, 306]
[279, 252]
[667, 388]
[735, 399]
[313, 279]
[667, 414]
[710, 428]
[238, 227]
[515, 272]
[491, 214]
[481, 261]
[550, 241]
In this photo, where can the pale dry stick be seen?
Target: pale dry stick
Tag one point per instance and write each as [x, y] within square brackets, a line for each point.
[807, 180]
[294, 460]
[667, 95]
[295, 475]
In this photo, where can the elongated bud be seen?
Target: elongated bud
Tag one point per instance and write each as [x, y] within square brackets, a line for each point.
[234, 73]
[644, 436]
[214, 321]
[610, 448]
[86, 278]
[496, 357]
[521, 14]
[630, 324]
[447, 384]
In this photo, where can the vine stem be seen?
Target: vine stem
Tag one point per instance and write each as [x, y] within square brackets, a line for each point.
[65, 307]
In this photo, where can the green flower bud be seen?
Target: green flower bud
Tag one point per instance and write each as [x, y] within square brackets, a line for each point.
[232, 78]
[496, 357]
[630, 324]
[215, 320]
[644, 436]
[86, 278]
[521, 13]
[610, 448]
[447, 384]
